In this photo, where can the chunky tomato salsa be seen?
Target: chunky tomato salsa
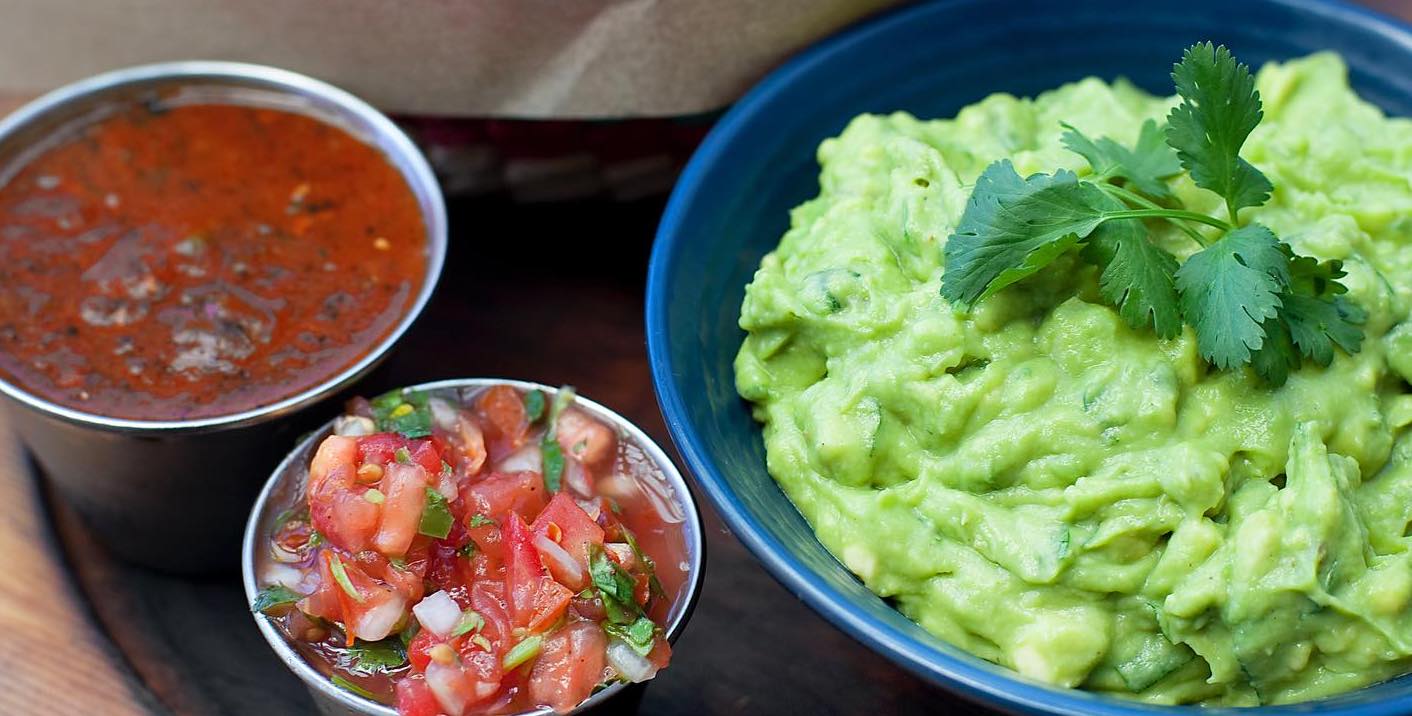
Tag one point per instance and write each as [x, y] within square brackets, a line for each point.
[481, 552]
[172, 262]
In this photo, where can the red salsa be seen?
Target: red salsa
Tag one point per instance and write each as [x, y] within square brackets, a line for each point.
[480, 552]
[188, 261]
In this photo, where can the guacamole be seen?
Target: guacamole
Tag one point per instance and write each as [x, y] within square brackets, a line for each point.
[1041, 485]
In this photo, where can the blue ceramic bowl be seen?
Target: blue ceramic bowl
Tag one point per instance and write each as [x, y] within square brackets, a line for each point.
[731, 206]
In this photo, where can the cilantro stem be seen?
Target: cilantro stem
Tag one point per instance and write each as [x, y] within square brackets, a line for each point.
[1168, 214]
[1136, 198]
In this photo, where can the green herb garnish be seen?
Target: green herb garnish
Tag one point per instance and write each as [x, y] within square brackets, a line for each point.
[1247, 296]
[615, 588]
[553, 456]
[402, 456]
[480, 520]
[640, 634]
[275, 599]
[522, 652]
[534, 405]
[552, 452]
[470, 621]
[340, 575]
[371, 657]
[345, 684]
[436, 516]
[402, 412]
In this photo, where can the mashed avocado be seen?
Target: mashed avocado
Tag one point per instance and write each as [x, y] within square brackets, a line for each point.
[1045, 487]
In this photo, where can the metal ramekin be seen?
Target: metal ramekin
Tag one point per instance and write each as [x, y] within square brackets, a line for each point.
[172, 494]
[285, 489]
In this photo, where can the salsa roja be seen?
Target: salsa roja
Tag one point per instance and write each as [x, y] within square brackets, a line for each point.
[191, 261]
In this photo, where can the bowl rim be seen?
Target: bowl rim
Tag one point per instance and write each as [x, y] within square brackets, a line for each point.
[317, 682]
[967, 675]
[396, 148]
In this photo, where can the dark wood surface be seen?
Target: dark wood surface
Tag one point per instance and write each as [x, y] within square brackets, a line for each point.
[548, 293]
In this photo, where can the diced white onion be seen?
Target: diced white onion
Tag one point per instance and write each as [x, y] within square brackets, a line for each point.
[629, 664]
[284, 575]
[438, 613]
[443, 415]
[446, 485]
[353, 426]
[526, 458]
[576, 477]
[377, 623]
[443, 679]
[564, 564]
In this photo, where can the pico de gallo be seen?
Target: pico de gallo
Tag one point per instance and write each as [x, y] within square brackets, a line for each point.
[477, 551]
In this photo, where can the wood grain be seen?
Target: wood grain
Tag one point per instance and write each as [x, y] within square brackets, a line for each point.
[50, 644]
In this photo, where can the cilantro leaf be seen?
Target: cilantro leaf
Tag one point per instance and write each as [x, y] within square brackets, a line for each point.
[1316, 325]
[1013, 227]
[1220, 107]
[614, 587]
[274, 599]
[436, 516]
[553, 453]
[534, 405]
[397, 411]
[1144, 167]
[1276, 358]
[641, 634]
[371, 657]
[1138, 277]
[1229, 289]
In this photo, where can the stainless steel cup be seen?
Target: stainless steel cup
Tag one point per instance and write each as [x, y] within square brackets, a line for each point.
[285, 490]
[172, 494]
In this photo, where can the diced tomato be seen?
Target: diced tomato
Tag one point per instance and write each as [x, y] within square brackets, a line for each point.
[502, 419]
[403, 581]
[404, 489]
[661, 653]
[471, 442]
[443, 570]
[570, 664]
[585, 438]
[379, 448]
[418, 647]
[323, 603]
[536, 600]
[577, 532]
[482, 670]
[486, 536]
[376, 608]
[336, 508]
[641, 588]
[503, 492]
[488, 599]
[423, 452]
[414, 698]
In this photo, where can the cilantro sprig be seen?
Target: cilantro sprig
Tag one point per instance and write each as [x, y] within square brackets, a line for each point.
[405, 412]
[1249, 298]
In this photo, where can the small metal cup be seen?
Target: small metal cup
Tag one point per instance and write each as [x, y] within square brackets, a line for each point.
[285, 490]
[172, 494]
